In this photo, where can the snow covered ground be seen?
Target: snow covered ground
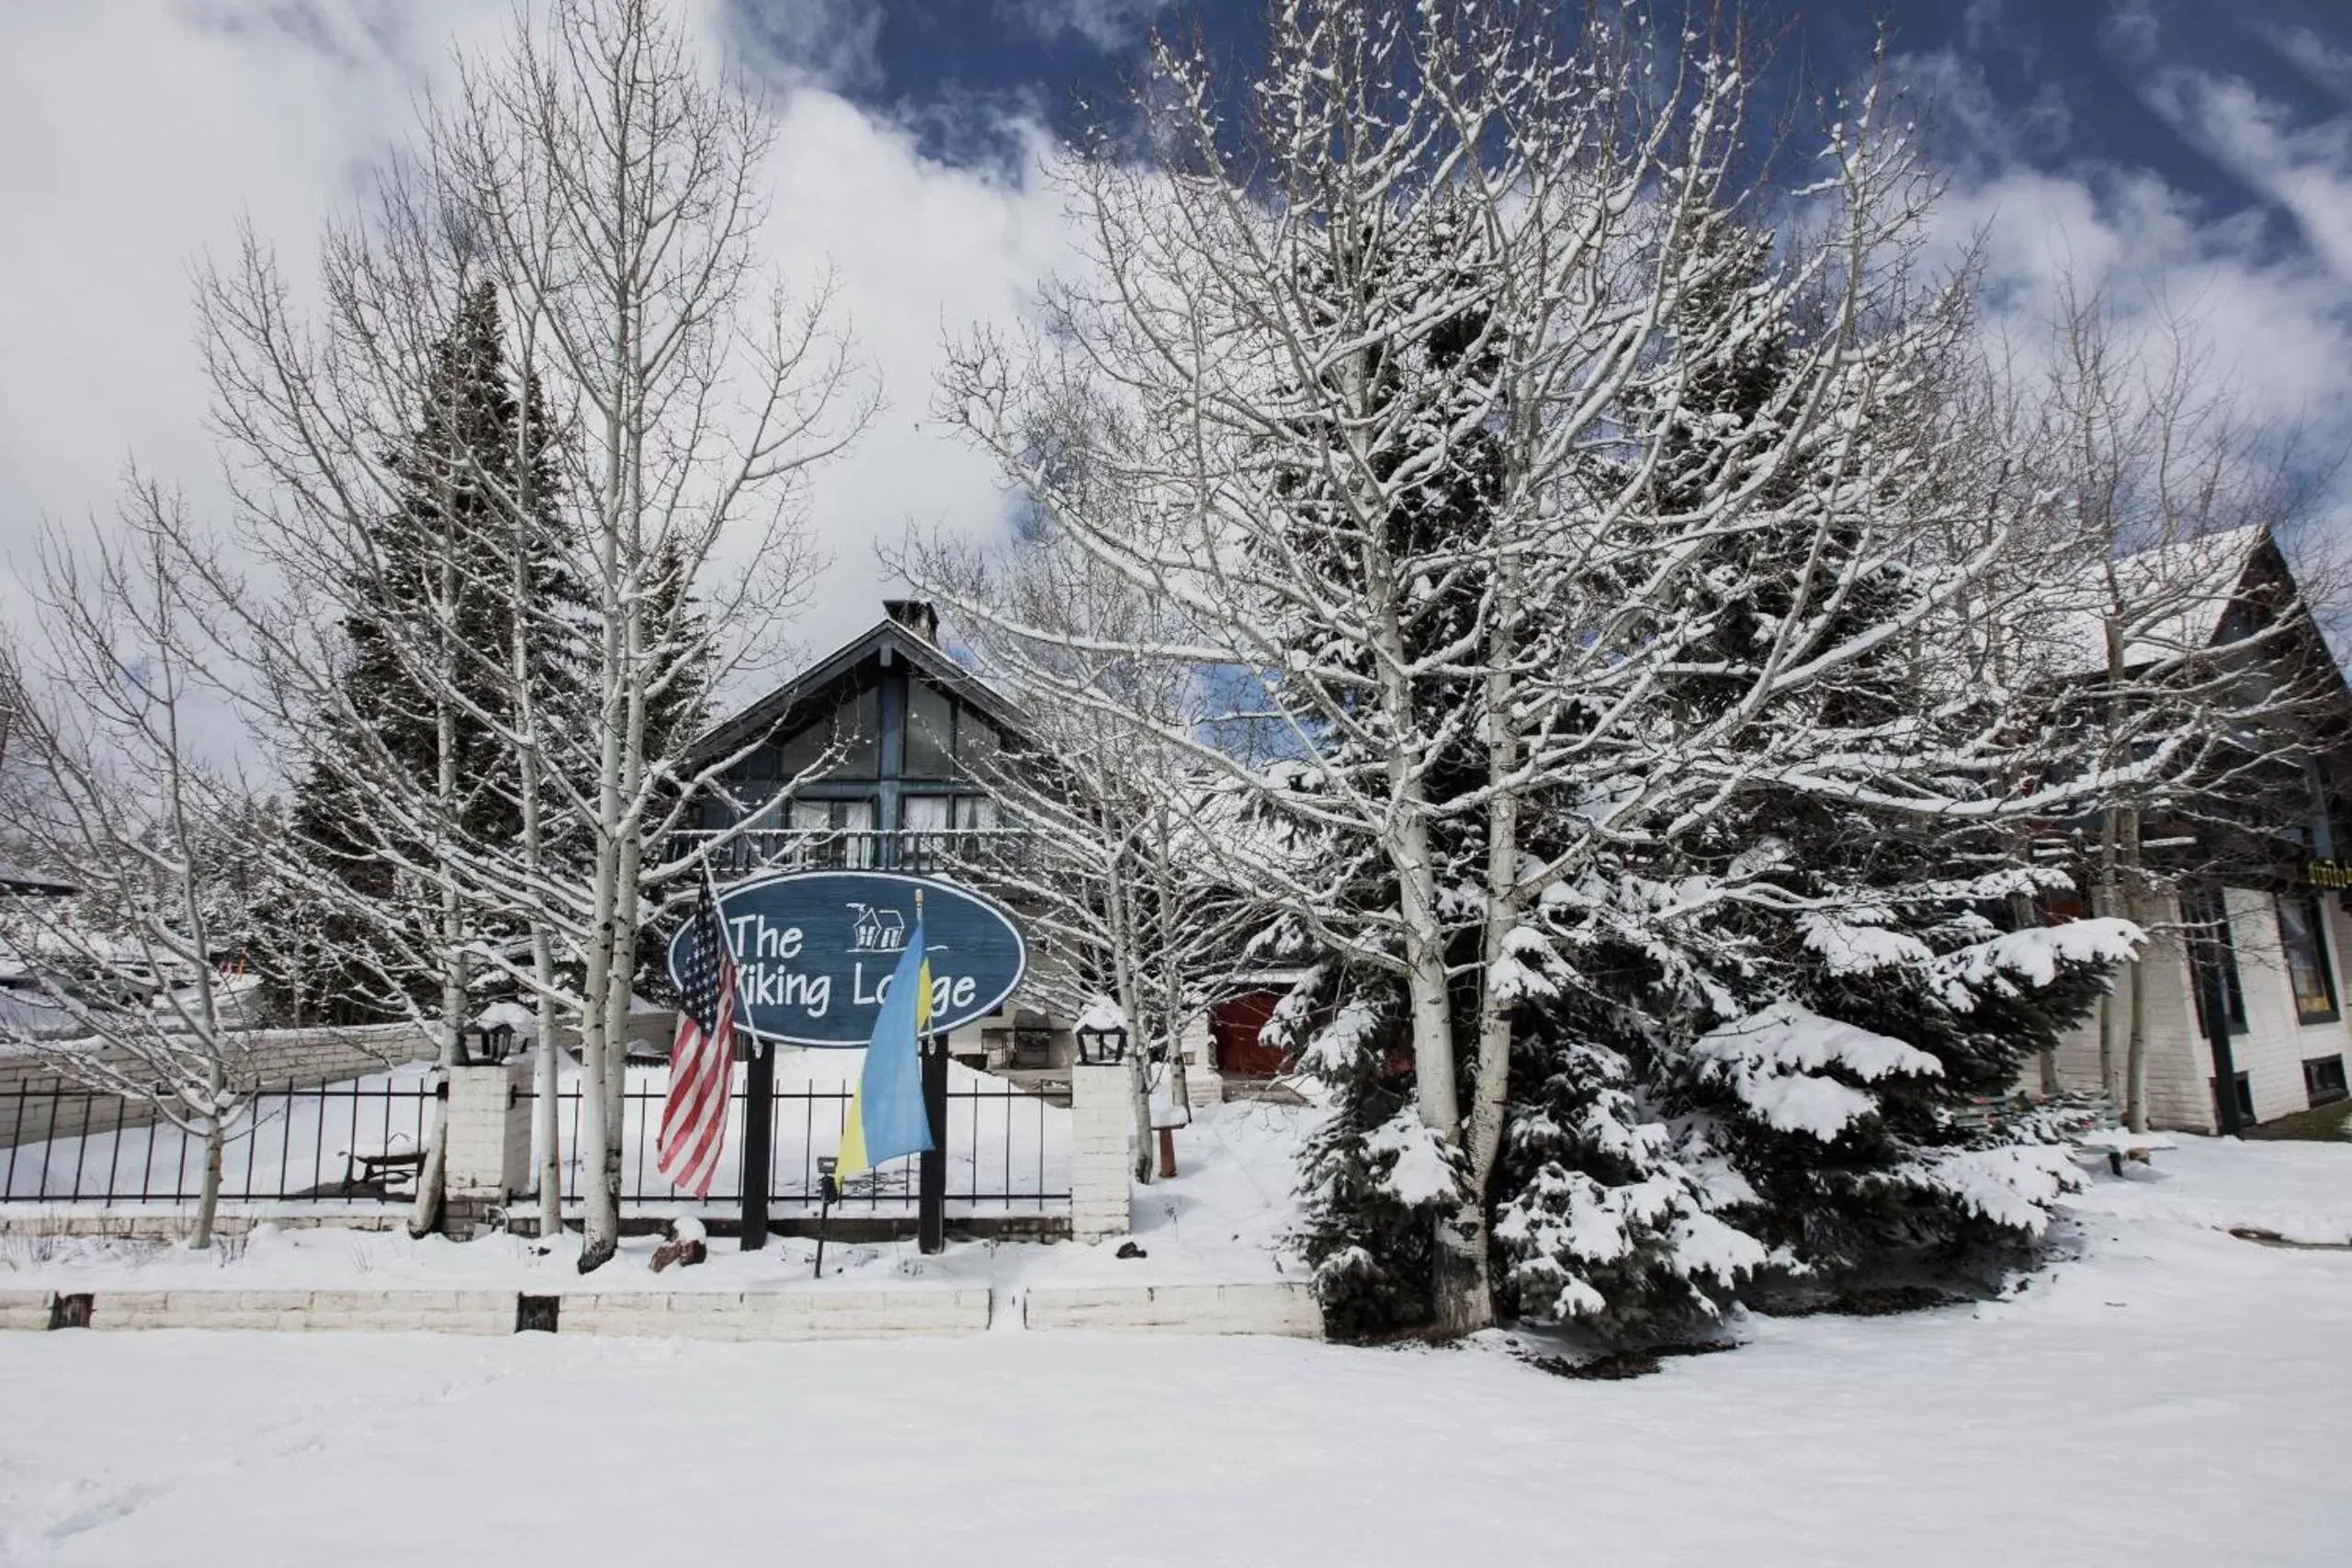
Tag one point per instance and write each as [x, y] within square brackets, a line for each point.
[2172, 1397]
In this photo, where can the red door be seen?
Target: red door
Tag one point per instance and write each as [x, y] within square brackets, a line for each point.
[1234, 1024]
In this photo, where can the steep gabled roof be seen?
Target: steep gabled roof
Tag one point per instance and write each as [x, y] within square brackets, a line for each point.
[2185, 590]
[22, 879]
[763, 715]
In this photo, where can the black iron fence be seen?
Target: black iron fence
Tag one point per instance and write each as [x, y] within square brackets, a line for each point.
[363, 1142]
[1005, 1148]
[350, 1143]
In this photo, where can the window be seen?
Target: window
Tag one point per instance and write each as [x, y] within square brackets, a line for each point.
[926, 813]
[931, 732]
[2324, 1080]
[974, 811]
[857, 729]
[2303, 934]
[840, 832]
[2246, 1100]
[2210, 949]
[796, 755]
[850, 729]
[976, 744]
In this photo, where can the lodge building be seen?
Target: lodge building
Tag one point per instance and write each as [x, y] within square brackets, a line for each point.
[2253, 909]
[910, 733]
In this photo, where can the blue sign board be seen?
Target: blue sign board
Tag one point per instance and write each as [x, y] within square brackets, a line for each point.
[815, 950]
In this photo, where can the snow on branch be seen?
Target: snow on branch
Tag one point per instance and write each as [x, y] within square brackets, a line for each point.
[1778, 1063]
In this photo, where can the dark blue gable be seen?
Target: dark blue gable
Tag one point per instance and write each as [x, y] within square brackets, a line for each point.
[908, 730]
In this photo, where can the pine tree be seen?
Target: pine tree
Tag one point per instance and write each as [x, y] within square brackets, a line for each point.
[441, 575]
[1812, 1047]
[674, 716]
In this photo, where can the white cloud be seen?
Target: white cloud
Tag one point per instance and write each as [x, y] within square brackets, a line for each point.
[1108, 25]
[2307, 170]
[2324, 63]
[130, 141]
[2131, 30]
[2277, 316]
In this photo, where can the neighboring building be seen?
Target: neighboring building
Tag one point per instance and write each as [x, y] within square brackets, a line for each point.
[24, 882]
[2261, 899]
[25, 1007]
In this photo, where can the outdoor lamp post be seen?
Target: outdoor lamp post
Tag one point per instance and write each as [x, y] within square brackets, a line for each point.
[493, 1044]
[1102, 1046]
[828, 1188]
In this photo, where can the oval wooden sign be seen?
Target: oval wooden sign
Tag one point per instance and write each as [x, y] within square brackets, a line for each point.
[815, 950]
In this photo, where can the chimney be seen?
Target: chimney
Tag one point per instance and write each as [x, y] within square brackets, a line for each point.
[918, 615]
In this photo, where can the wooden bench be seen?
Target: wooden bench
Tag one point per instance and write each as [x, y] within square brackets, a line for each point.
[381, 1167]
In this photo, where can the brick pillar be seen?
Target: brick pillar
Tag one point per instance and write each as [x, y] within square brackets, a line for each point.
[488, 1134]
[1102, 1161]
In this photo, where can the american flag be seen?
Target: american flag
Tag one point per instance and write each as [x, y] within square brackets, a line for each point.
[702, 1059]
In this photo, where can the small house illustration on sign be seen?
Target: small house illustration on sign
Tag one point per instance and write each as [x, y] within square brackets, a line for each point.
[877, 930]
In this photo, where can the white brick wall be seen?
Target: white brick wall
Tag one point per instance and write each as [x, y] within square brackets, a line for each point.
[1274, 1308]
[440, 1312]
[1102, 1159]
[488, 1130]
[1270, 1307]
[778, 1315]
[25, 1309]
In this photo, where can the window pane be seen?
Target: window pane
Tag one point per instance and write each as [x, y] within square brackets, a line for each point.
[974, 811]
[930, 719]
[763, 814]
[855, 819]
[798, 754]
[857, 729]
[925, 813]
[2210, 944]
[2299, 927]
[976, 744]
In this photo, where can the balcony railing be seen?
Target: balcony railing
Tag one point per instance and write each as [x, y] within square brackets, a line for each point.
[920, 851]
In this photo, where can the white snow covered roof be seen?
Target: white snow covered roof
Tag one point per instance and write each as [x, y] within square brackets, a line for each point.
[15, 878]
[2172, 598]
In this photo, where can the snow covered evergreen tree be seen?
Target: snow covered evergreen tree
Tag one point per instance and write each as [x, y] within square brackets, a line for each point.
[1840, 957]
[451, 569]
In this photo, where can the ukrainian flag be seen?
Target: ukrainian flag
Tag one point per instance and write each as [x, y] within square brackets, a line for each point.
[886, 1118]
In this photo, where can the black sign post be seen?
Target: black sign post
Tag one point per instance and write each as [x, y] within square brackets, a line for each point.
[931, 1167]
[759, 1125]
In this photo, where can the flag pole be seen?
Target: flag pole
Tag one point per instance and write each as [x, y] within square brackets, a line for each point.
[931, 1167]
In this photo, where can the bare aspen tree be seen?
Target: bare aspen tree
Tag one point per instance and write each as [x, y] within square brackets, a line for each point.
[1381, 388]
[1124, 895]
[109, 791]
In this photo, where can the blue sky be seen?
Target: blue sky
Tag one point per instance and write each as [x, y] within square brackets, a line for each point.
[2056, 84]
[2191, 157]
